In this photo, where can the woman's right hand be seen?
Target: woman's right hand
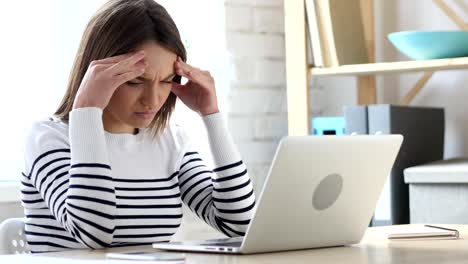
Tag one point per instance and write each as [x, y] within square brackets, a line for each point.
[104, 76]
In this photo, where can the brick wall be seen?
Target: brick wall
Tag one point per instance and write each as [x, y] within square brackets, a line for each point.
[257, 96]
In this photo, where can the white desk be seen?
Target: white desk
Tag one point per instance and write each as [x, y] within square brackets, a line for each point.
[374, 248]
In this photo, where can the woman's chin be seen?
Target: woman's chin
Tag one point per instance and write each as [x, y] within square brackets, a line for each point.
[141, 125]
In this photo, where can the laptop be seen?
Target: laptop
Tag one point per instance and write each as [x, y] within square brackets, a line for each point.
[321, 191]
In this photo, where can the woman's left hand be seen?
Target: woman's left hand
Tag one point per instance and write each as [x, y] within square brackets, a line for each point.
[199, 93]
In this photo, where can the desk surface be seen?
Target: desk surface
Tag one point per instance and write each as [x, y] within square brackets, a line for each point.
[374, 248]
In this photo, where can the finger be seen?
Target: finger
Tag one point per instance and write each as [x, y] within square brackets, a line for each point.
[97, 68]
[187, 71]
[189, 68]
[180, 71]
[114, 59]
[177, 88]
[195, 75]
[186, 67]
[124, 65]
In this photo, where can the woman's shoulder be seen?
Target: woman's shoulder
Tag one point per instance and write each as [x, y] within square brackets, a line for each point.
[48, 131]
[50, 125]
[176, 133]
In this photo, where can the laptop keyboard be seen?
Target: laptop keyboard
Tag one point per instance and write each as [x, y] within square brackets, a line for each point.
[226, 242]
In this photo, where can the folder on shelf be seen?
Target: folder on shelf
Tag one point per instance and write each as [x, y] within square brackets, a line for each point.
[424, 232]
[356, 122]
[342, 32]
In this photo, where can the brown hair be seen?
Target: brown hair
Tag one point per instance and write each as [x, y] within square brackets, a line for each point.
[119, 27]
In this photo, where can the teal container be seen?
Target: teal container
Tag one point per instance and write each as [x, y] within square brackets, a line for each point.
[427, 45]
[323, 126]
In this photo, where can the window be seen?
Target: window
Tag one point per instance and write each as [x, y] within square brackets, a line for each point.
[39, 42]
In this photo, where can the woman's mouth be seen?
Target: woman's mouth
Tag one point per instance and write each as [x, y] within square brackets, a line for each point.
[146, 114]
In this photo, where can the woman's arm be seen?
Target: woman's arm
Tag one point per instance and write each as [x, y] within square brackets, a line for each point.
[222, 197]
[75, 179]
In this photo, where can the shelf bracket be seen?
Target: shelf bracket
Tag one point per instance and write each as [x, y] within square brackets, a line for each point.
[451, 14]
[442, 5]
[416, 89]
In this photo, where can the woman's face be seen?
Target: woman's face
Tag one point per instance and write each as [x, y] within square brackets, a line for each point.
[135, 103]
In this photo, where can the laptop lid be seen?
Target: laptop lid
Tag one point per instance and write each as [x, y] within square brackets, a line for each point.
[319, 192]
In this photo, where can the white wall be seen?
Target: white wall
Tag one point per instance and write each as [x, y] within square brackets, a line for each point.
[257, 97]
[10, 210]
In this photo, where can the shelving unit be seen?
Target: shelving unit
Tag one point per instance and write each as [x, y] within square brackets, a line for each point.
[298, 71]
[392, 67]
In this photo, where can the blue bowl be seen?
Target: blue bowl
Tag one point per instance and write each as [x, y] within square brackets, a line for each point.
[426, 45]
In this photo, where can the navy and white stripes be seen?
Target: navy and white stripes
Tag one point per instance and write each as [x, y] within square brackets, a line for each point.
[135, 198]
[200, 187]
[80, 197]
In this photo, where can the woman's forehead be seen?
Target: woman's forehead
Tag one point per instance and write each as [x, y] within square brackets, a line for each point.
[160, 61]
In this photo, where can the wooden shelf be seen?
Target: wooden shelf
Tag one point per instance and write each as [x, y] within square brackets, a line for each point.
[298, 72]
[393, 67]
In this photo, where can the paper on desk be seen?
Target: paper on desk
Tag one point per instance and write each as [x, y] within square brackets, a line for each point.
[422, 233]
[28, 259]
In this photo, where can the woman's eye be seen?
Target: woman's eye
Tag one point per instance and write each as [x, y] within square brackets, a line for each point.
[129, 83]
[167, 82]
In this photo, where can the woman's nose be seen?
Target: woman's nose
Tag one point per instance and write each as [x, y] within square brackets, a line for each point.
[151, 98]
[155, 95]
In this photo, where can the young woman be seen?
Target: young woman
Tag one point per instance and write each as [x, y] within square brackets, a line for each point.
[110, 169]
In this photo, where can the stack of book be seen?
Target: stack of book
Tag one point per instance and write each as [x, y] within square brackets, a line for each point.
[336, 33]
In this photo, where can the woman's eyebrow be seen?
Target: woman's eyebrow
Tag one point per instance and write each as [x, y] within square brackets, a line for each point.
[143, 79]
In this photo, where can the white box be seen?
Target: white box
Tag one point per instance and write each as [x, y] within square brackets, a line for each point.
[438, 192]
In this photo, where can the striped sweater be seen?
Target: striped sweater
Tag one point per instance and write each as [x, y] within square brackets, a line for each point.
[83, 187]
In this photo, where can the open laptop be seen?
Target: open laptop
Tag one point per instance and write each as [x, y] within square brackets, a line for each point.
[321, 191]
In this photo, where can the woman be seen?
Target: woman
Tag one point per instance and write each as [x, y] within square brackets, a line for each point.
[109, 169]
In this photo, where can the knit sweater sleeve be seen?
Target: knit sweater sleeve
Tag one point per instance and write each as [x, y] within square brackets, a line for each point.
[222, 197]
[73, 176]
